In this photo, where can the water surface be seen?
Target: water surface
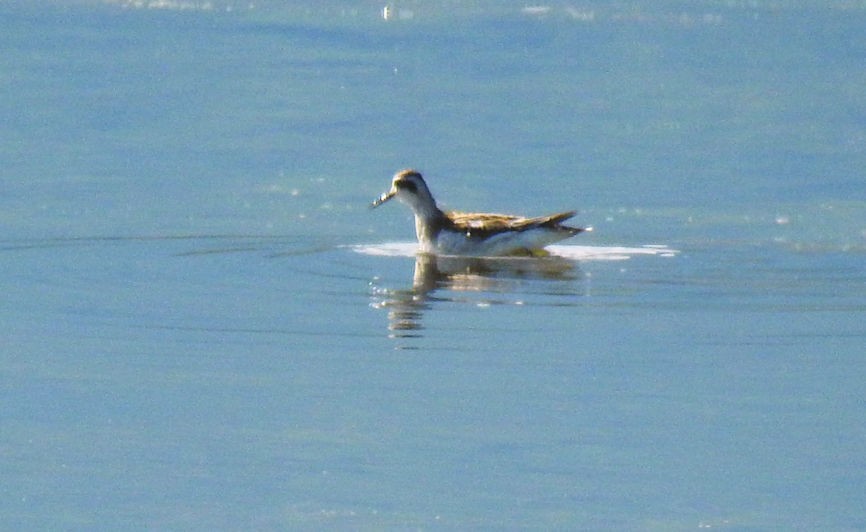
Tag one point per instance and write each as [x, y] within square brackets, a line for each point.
[206, 327]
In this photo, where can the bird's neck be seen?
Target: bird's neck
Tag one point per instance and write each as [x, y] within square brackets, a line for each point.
[428, 223]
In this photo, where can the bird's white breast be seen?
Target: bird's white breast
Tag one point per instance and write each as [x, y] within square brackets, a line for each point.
[509, 242]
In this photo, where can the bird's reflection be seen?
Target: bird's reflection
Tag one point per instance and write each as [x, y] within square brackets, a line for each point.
[463, 274]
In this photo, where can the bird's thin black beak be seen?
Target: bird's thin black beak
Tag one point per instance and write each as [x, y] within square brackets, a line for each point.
[383, 198]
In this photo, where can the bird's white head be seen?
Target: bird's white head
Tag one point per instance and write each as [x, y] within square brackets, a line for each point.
[409, 187]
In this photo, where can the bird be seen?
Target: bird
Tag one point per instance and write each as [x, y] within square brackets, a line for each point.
[474, 234]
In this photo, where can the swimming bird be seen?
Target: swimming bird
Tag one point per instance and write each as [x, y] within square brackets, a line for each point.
[473, 234]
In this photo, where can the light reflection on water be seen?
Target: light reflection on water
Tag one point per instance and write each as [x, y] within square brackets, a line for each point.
[450, 279]
[486, 281]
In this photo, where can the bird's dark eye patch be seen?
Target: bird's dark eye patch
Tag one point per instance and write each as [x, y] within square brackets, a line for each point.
[406, 185]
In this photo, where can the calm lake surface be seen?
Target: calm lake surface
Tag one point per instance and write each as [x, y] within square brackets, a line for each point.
[205, 327]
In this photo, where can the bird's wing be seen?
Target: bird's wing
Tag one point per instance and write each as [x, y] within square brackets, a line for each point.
[487, 224]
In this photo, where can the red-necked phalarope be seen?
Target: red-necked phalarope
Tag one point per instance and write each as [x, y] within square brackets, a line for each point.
[475, 234]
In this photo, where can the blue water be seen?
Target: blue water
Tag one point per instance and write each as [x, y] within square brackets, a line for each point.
[204, 326]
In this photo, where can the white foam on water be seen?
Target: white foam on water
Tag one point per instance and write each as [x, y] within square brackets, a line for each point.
[578, 253]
